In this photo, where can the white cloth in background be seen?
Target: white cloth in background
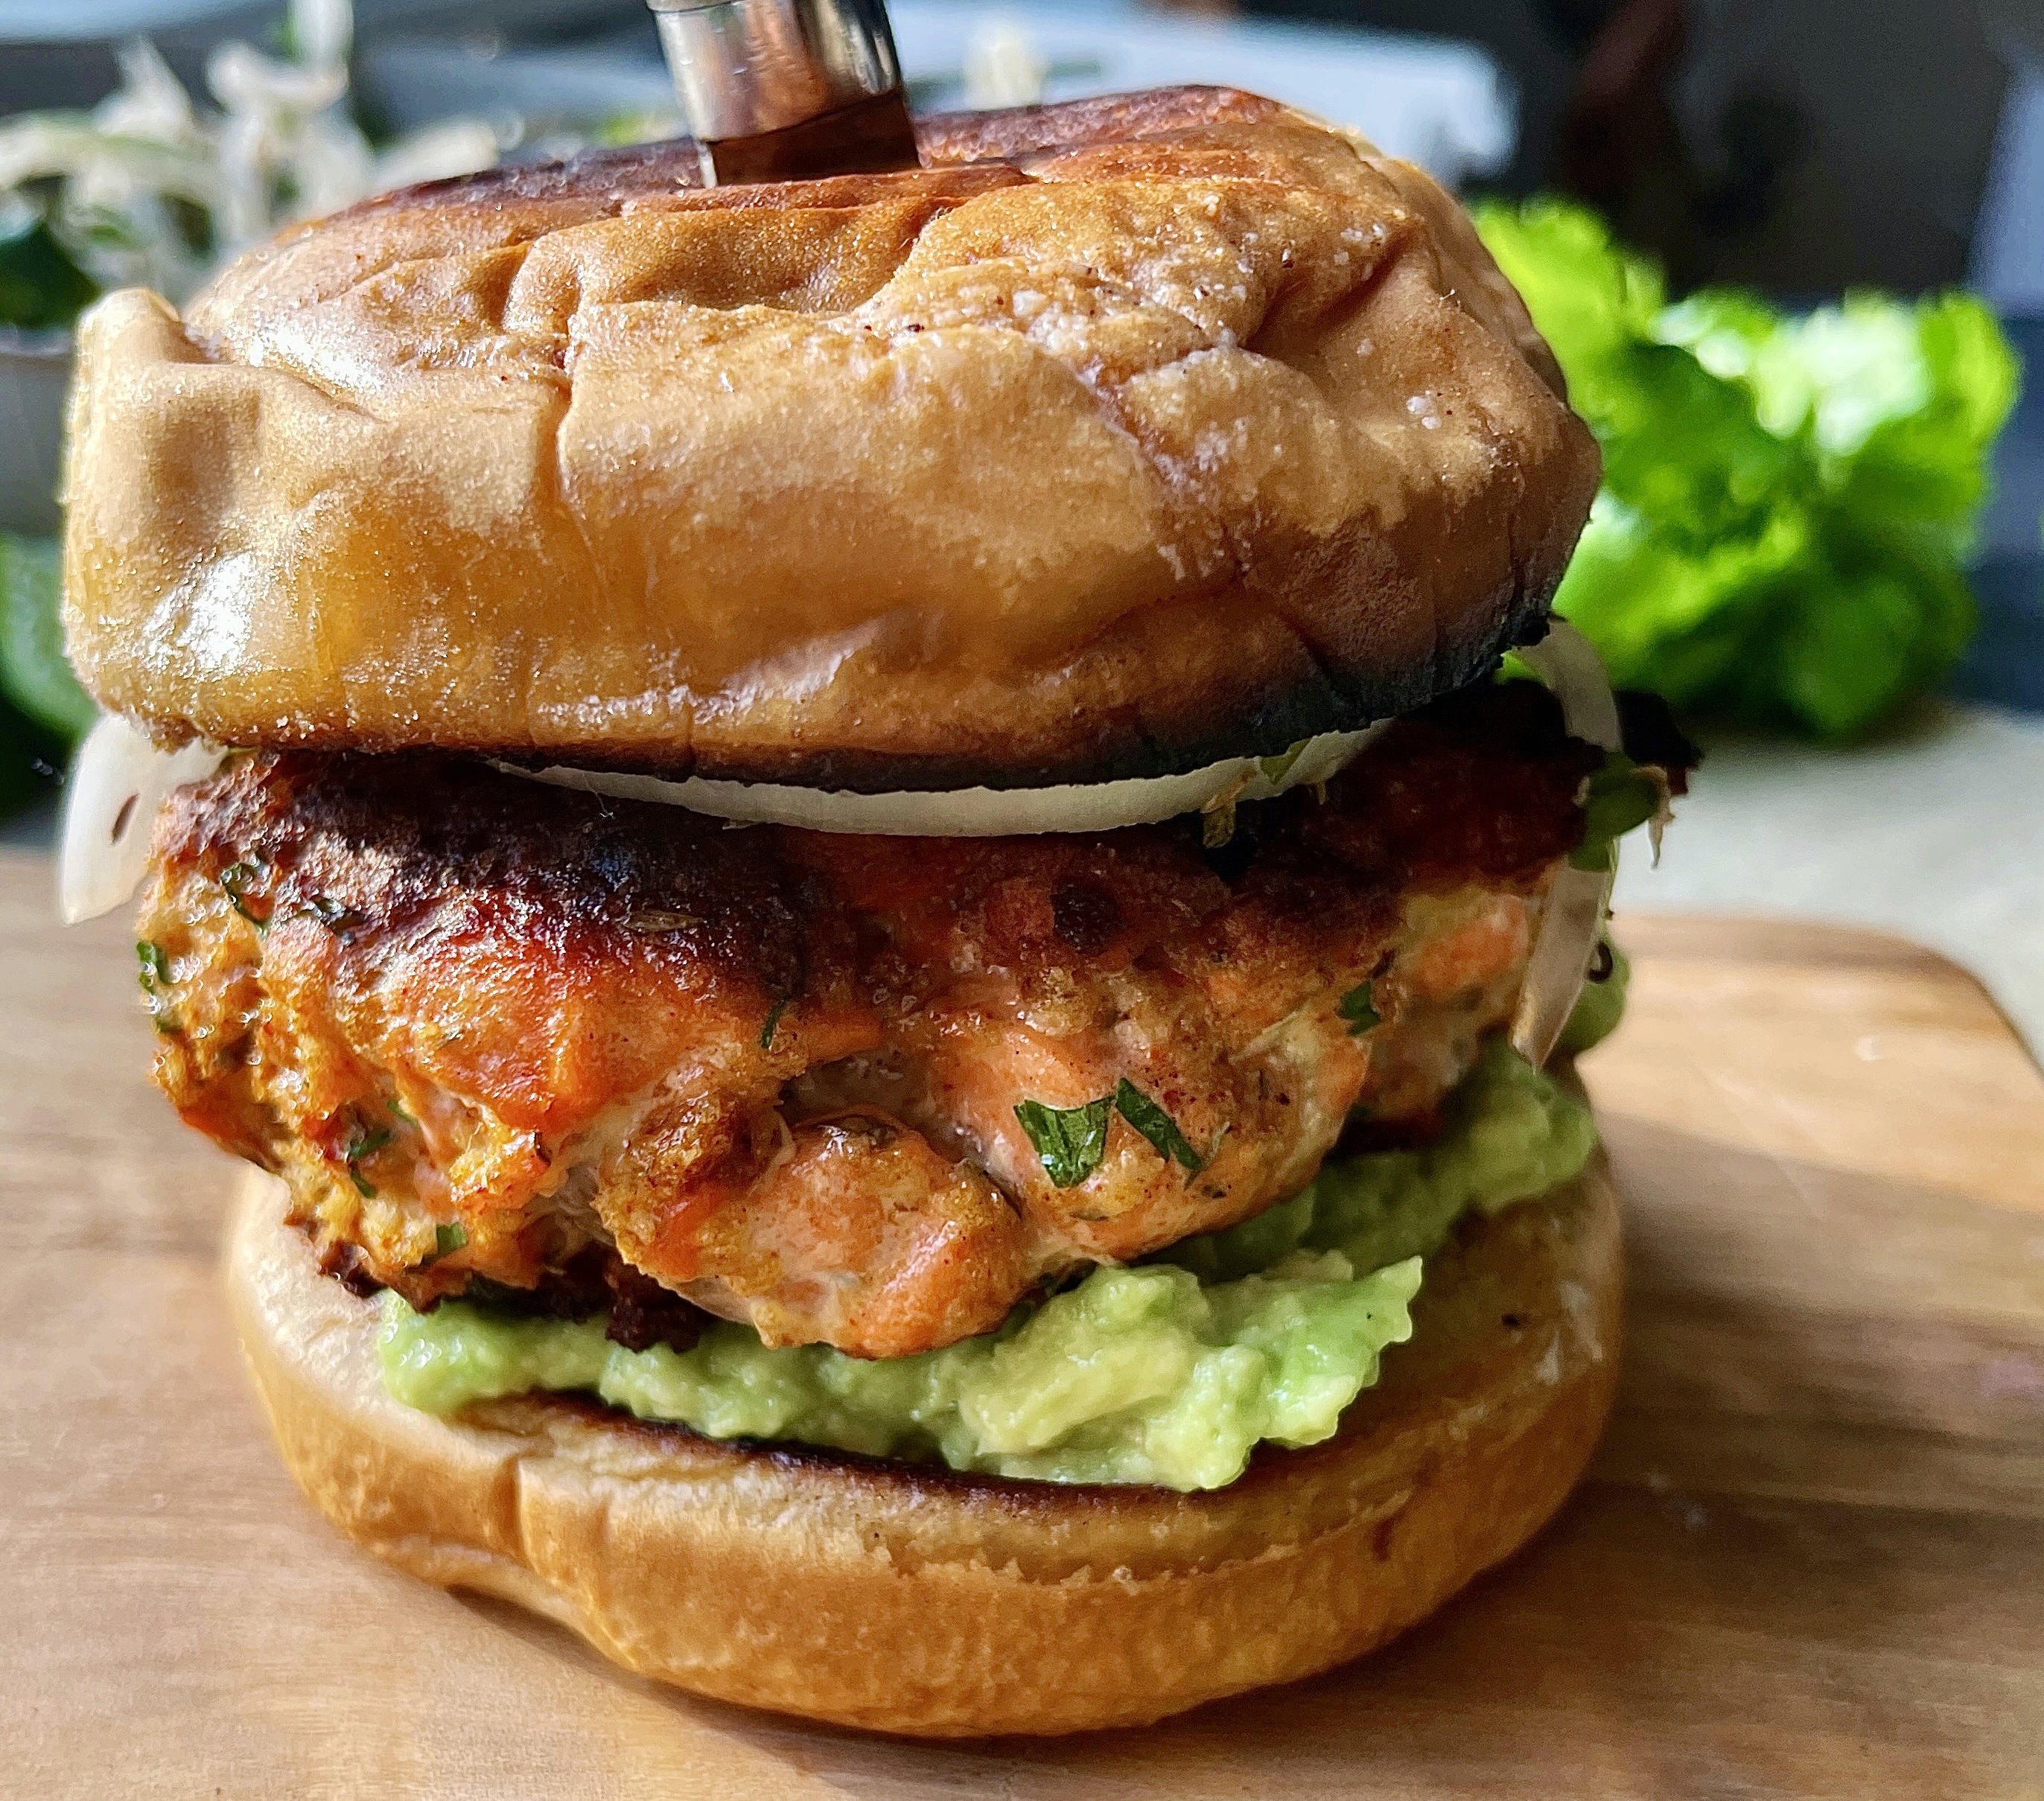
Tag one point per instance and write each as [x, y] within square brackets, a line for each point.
[1937, 834]
[1445, 105]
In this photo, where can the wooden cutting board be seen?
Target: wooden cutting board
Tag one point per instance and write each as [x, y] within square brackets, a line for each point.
[1809, 1561]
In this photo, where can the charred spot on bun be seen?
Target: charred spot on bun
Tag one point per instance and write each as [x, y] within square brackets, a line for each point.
[863, 857]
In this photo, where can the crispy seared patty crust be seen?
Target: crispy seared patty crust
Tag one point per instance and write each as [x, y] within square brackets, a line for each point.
[817, 1082]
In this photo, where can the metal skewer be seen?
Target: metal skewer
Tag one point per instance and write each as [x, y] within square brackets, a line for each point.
[783, 90]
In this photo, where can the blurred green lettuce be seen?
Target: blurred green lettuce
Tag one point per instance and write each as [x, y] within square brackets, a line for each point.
[1788, 499]
[43, 712]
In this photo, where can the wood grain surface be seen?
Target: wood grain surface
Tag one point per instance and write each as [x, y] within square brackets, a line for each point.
[1809, 1561]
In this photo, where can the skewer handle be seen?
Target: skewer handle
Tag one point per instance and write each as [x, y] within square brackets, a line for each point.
[779, 89]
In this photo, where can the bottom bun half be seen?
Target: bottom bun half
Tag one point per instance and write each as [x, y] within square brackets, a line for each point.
[907, 1599]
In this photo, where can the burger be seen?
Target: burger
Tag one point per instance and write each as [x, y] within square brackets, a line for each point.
[882, 872]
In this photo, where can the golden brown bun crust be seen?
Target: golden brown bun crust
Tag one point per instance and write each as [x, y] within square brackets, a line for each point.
[906, 1600]
[1127, 435]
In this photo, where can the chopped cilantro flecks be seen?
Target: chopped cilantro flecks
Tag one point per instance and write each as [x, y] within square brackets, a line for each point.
[155, 965]
[1071, 1140]
[1359, 1006]
[773, 1020]
[365, 1144]
[1618, 797]
[1154, 1124]
[155, 979]
[238, 879]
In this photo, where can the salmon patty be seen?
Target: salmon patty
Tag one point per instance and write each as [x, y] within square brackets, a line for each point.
[865, 1092]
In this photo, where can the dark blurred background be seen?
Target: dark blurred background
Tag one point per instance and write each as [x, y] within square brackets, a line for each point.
[1803, 146]
[1799, 145]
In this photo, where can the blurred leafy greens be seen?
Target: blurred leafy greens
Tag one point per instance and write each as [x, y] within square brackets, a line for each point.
[34, 673]
[43, 711]
[41, 285]
[1787, 500]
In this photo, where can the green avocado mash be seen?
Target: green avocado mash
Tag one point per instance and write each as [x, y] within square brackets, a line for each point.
[1512, 1133]
[1169, 1373]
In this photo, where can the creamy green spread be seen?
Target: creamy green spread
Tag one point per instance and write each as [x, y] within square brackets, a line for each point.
[1168, 1373]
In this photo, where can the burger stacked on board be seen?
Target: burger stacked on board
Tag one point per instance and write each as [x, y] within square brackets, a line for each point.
[883, 866]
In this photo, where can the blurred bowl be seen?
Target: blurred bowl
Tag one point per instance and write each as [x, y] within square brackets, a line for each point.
[35, 370]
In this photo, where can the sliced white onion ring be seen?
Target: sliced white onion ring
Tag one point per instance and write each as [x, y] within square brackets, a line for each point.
[117, 781]
[979, 812]
[1573, 919]
[1569, 664]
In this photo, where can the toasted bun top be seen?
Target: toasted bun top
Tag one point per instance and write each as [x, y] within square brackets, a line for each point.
[1124, 435]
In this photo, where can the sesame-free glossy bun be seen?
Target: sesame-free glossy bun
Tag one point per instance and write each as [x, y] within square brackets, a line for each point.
[1123, 435]
[909, 1600]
